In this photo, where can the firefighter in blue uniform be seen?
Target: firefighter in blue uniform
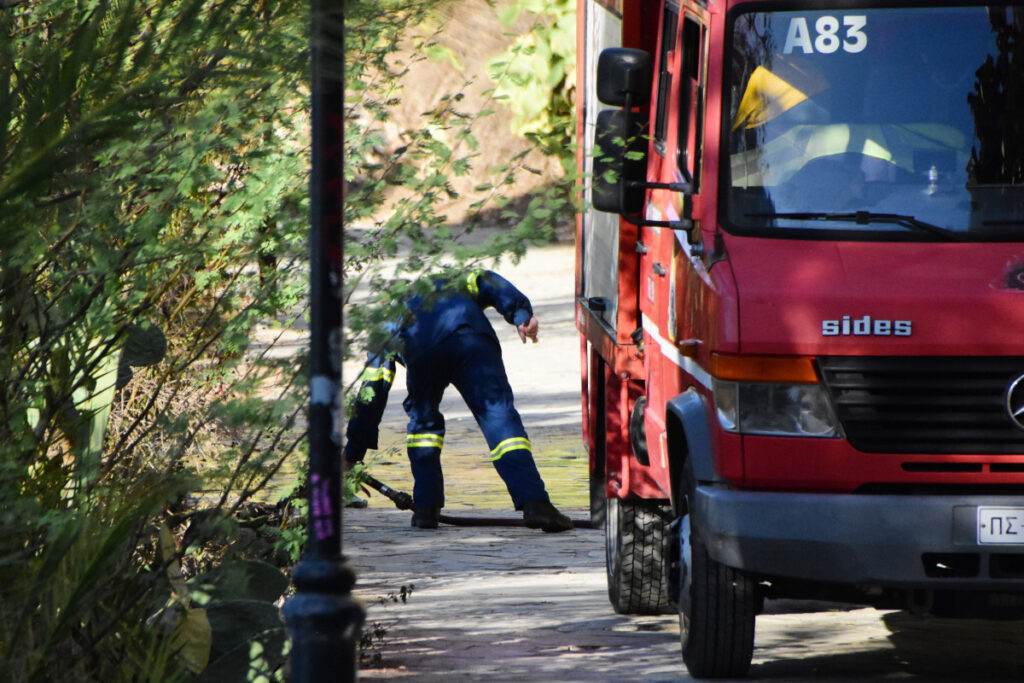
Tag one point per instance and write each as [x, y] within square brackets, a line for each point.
[449, 340]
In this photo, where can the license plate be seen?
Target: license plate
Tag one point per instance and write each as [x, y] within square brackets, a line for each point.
[1000, 525]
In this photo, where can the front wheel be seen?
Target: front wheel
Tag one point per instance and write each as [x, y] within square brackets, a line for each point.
[636, 555]
[717, 609]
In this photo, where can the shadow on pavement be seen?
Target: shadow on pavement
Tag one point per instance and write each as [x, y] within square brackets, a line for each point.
[916, 648]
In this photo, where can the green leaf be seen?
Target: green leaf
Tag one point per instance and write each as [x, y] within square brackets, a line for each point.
[241, 580]
[508, 15]
[192, 639]
[440, 53]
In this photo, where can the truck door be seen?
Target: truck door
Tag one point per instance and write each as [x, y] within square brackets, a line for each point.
[666, 266]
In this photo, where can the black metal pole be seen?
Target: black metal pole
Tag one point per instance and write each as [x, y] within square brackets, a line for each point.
[323, 618]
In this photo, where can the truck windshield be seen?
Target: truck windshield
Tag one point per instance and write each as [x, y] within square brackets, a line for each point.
[915, 113]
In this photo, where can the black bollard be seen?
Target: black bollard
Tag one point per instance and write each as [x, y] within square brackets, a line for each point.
[323, 618]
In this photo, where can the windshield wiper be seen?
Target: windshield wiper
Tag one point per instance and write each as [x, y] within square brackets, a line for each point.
[865, 217]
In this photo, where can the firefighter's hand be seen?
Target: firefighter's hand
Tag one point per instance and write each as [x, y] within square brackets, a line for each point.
[529, 329]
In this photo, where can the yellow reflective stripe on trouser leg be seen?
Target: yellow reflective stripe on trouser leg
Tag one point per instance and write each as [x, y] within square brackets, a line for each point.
[513, 444]
[374, 374]
[471, 282]
[424, 441]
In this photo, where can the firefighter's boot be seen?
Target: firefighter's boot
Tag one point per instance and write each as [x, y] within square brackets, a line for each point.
[541, 514]
[426, 518]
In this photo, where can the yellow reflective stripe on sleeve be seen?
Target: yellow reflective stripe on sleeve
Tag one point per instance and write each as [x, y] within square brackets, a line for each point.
[515, 443]
[471, 282]
[424, 441]
[374, 374]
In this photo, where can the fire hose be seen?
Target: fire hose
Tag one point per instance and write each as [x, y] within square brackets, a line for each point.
[403, 501]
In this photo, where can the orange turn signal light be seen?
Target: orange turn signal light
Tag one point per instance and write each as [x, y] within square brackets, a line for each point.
[795, 369]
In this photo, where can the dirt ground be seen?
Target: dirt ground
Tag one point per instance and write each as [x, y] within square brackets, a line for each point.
[512, 604]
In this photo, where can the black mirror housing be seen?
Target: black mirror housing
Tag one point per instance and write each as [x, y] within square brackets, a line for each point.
[624, 76]
[620, 165]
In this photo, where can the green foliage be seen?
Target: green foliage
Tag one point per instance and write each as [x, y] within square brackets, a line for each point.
[536, 76]
[396, 232]
[355, 481]
[292, 542]
[153, 162]
[224, 623]
[152, 189]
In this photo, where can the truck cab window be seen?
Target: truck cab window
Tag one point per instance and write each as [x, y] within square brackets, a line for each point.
[691, 116]
[669, 26]
[875, 112]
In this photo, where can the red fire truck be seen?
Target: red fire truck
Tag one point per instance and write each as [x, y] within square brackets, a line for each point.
[800, 293]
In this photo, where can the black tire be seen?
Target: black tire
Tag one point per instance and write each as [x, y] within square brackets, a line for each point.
[636, 557]
[717, 609]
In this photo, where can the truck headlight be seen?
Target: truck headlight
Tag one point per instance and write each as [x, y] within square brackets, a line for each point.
[774, 408]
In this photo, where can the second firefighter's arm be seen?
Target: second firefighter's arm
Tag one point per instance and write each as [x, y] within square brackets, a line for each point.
[364, 425]
[490, 289]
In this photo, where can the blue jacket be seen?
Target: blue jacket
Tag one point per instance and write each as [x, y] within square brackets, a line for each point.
[461, 308]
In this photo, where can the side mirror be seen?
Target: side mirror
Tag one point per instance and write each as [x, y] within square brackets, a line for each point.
[624, 77]
[620, 161]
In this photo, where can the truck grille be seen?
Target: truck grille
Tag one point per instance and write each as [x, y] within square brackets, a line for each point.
[925, 405]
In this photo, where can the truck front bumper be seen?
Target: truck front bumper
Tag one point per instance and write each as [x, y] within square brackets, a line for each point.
[863, 540]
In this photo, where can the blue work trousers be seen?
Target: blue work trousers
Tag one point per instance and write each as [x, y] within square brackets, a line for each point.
[471, 361]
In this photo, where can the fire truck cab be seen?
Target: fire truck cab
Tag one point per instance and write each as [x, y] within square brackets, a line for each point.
[800, 296]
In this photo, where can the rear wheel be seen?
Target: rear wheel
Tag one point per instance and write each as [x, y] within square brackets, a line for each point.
[636, 555]
[717, 609]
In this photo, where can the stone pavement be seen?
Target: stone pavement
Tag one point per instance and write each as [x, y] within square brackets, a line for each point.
[514, 604]
[498, 603]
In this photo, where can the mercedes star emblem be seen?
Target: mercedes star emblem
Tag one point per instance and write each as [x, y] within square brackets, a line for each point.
[1015, 401]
